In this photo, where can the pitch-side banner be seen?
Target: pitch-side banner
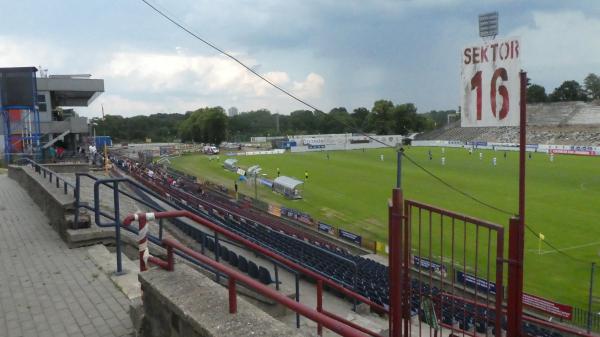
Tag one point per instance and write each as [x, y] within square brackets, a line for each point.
[553, 308]
[490, 84]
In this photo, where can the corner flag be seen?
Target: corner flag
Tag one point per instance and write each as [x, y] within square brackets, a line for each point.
[541, 238]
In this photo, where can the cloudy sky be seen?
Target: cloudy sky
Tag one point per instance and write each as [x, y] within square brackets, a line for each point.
[330, 53]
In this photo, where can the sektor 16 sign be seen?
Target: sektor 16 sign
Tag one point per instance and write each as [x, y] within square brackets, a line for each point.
[490, 83]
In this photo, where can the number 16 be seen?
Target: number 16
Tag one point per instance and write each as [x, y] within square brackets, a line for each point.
[476, 84]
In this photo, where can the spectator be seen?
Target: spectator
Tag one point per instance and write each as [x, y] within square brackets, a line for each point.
[52, 152]
[60, 152]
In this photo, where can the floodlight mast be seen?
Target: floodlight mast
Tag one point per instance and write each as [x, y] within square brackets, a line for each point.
[488, 25]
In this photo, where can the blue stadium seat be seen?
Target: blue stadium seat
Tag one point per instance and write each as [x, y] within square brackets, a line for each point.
[242, 264]
[264, 276]
[252, 269]
[233, 259]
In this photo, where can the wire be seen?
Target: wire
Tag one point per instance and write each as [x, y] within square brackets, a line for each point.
[431, 174]
[161, 13]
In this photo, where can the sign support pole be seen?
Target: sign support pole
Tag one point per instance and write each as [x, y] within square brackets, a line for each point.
[396, 269]
[517, 229]
[589, 314]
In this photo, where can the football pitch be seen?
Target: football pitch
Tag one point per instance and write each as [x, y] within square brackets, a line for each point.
[350, 190]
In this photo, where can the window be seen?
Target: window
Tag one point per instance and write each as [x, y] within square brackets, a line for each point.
[41, 98]
[42, 107]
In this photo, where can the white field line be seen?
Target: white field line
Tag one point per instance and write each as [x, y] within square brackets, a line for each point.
[551, 251]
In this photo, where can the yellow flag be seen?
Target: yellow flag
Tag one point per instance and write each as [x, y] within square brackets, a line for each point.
[542, 237]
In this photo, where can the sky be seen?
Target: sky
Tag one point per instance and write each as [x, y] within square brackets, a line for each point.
[330, 53]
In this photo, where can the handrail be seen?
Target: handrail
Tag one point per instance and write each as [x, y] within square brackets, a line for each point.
[221, 208]
[78, 204]
[153, 205]
[182, 194]
[336, 325]
[302, 242]
[115, 219]
[262, 250]
[234, 213]
[235, 276]
[212, 204]
[50, 173]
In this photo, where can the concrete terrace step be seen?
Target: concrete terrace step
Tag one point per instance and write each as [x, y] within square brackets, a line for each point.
[127, 282]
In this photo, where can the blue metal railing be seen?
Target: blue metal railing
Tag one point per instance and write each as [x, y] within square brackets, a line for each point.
[46, 172]
[115, 218]
[146, 195]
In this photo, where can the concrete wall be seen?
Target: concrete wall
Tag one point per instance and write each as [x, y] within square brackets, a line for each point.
[187, 303]
[74, 124]
[54, 205]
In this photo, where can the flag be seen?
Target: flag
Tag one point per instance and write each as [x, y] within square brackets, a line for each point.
[542, 237]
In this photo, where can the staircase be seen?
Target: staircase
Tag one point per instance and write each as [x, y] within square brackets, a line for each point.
[56, 139]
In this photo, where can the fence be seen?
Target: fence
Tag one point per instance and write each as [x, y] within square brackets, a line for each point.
[455, 256]
[583, 318]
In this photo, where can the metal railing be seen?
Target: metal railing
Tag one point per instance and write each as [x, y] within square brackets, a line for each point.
[586, 319]
[145, 199]
[49, 174]
[115, 221]
[320, 316]
[191, 200]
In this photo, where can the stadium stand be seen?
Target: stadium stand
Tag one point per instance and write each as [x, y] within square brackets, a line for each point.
[364, 276]
[564, 123]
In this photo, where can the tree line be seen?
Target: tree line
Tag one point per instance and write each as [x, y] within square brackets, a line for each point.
[567, 91]
[212, 125]
[160, 127]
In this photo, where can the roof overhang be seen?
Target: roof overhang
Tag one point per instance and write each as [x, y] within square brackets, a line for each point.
[72, 91]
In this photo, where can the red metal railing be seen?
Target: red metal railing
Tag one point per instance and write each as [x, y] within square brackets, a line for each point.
[441, 245]
[217, 204]
[321, 316]
[235, 276]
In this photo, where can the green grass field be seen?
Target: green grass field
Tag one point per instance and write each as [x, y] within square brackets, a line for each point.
[350, 190]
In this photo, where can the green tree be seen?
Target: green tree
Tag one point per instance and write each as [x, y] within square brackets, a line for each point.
[303, 122]
[404, 118]
[337, 121]
[252, 123]
[206, 125]
[380, 120]
[359, 117]
[158, 127]
[536, 94]
[592, 86]
[568, 91]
